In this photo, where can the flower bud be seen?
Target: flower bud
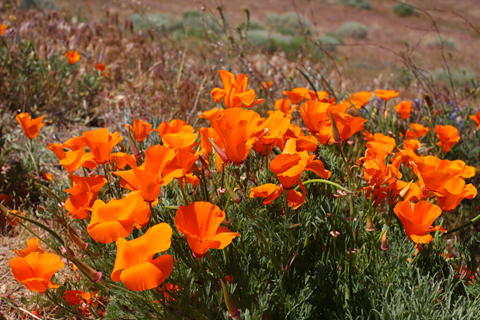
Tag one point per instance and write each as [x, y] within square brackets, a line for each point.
[79, 242]
[334, 234]
[220, 152]
[335, 133]
[94, 275]
[370, 225]
[231, 306]
[235, 198]
[405, 190]
[384, 245]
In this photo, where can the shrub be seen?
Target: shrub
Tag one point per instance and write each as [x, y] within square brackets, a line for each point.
[273, 41]
[359, 4]
[447, 43]
[404, 10]
[330, 41]
[459, 77]
[353, 29]
[288, 23]
[163, 21]
[36, 4]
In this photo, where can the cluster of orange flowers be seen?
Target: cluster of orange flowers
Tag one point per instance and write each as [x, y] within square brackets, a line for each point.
[438, 178]
[234, 133]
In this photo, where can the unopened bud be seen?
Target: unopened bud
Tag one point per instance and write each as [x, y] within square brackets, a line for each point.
[334, 234]
[335, 132]
[384, 245]
[96, 276]
[405, 190]
[370, 225]
[78, 242]
[235, 198]
[231, 305]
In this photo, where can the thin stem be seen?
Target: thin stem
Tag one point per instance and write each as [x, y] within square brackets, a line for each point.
[326, 182]
[477, 218]
[33, 159]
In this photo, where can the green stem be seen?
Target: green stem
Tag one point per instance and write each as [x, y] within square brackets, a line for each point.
[33, 159]
[326, 182]
[477, 218]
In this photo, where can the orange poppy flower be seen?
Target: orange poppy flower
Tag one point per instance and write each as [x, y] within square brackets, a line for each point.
[191, 179]
[273, 128]
[267, 191]
[77, 297]
[379, 143]
[285, 106]
[465, 171]
[360, 99]
[151, 175]
[181, 140]
[346, 124]
[174, 126]
[140, 129]
[101, 67]
[411, 144]
[211, 115]
[267, 85]
[177, 134]
[315, 115]
[118, 160]
[32, 246]
[3, 28]
[76, 158]
[289, 167]
[386, 94]
[36, 270]
[234, 92]
[376, 172]
[476, 118]
[134, 264]
[29, 126]
[71, 160]
[83, 192]
[448, 136]
[450, 194]
[407, 153]
[199, 222]
[404, 109]
[417, 219]
[206, 146]
[296, 199]
[299, 94]
[237, 131]
[101, 142]
[72, 56]
[302, 143]
[117, 218]
[418, 131]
